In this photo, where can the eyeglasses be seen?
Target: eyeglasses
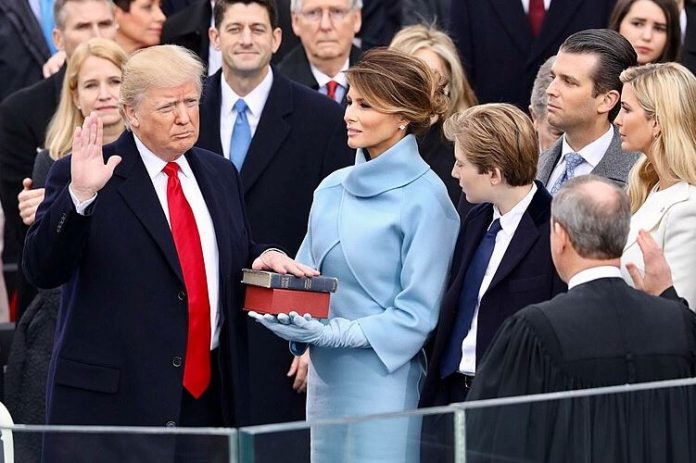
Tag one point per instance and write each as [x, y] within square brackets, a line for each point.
[335, 14]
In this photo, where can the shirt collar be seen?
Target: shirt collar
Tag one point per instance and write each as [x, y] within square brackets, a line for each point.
[594, 152]
[594, 273]
[255, 100]
[154, 164]
[511, 219]
[322, 79]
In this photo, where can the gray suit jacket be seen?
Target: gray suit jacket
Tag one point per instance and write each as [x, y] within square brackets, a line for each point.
[615, 164]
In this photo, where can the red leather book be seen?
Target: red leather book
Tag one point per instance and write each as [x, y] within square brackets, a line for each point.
[275, 301]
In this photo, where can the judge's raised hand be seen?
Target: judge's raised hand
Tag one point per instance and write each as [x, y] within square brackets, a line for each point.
[279, 262]
[657, 276]
[88, 171]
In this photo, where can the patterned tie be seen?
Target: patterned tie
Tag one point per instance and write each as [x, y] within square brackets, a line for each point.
[572, 160]
[48, 23]
[536, 15]
[331, 87]
[241, 135]
[468, 300]
[188, 248]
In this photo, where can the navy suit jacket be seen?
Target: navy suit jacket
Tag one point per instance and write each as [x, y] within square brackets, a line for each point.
[526, 275]
[498, 50]
[122, 328]
[300, 139]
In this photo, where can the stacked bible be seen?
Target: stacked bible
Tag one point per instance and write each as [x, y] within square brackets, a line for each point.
[274, 293]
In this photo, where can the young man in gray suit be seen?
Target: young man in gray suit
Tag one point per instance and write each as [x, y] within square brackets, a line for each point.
[583, 100]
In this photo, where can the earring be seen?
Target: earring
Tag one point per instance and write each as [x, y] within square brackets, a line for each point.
[402, 127]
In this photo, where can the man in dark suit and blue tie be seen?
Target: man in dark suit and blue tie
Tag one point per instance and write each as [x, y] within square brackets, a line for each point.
[284, 139]
[502, 260]
[147, 238]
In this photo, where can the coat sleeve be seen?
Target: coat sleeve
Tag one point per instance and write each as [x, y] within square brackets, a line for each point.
[430, 229]
[55, 242]
[680, 235]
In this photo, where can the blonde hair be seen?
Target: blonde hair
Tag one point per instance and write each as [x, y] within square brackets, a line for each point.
[158, 66]
[412, 39]
[393, 82]
[59, 134]
[497, 135]
[666, 92]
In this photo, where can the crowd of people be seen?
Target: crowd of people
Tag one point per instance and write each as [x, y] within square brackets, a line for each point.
[506, 192]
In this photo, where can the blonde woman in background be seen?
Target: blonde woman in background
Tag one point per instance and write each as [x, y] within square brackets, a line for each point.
[658, 118]
[92, 83]
[437, 50]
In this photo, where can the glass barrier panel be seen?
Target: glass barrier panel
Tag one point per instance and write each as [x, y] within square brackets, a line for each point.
[387, 438]
[76, 444]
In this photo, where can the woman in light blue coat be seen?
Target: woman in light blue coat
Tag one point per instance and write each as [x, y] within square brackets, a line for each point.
[386, 228]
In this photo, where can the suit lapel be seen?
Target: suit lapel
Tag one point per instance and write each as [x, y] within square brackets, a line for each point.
[210, 184]
[548, 160]
[140, 196]
[512, 17]
[271, 131]
[651, 212]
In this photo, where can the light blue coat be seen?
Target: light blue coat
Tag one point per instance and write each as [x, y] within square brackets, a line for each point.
[386, 229]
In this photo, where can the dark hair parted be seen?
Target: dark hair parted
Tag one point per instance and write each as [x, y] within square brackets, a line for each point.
[394, 82]
[497, 135]
[596, 215]
[221, 7]
[614, 54]
[671, 12]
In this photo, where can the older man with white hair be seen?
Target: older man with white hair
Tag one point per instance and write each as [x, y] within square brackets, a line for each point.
[326, 29]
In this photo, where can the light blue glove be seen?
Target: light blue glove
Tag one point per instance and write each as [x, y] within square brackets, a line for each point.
[338, 332]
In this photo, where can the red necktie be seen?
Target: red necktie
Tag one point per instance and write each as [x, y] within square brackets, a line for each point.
[188, 247]
[331, 87]
[536, 15]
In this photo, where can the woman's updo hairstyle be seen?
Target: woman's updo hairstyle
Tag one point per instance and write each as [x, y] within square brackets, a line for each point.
[393, 82]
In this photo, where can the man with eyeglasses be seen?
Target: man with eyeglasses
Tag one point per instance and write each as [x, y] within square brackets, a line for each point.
[326, 29]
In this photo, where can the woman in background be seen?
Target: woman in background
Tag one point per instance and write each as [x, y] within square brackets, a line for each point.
[438, 51]
[658, 118]
[652, 27]
[139, 23]
[386, 229]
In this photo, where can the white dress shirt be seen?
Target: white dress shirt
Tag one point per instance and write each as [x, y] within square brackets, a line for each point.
[255, 100]
[508, 224]
[594, 273]
[592, 154]
[204, 222]
[340, 78]
[525, 5]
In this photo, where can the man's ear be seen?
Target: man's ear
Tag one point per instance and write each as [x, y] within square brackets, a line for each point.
[213, 36]
[131, 116]
[58, 39]
[608, 101]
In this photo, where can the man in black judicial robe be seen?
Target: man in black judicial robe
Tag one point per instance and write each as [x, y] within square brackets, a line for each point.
[600, 333]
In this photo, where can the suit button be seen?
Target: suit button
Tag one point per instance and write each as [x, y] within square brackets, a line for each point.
[170, 424]
[176, 361]
[181, 295]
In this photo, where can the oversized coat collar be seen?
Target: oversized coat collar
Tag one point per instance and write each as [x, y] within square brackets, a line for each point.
[398, 166]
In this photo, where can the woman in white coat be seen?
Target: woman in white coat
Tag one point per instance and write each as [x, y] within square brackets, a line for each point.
[386, 228]
[658, 118]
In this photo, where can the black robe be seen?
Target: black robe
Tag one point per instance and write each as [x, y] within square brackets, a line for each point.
[600, 333]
